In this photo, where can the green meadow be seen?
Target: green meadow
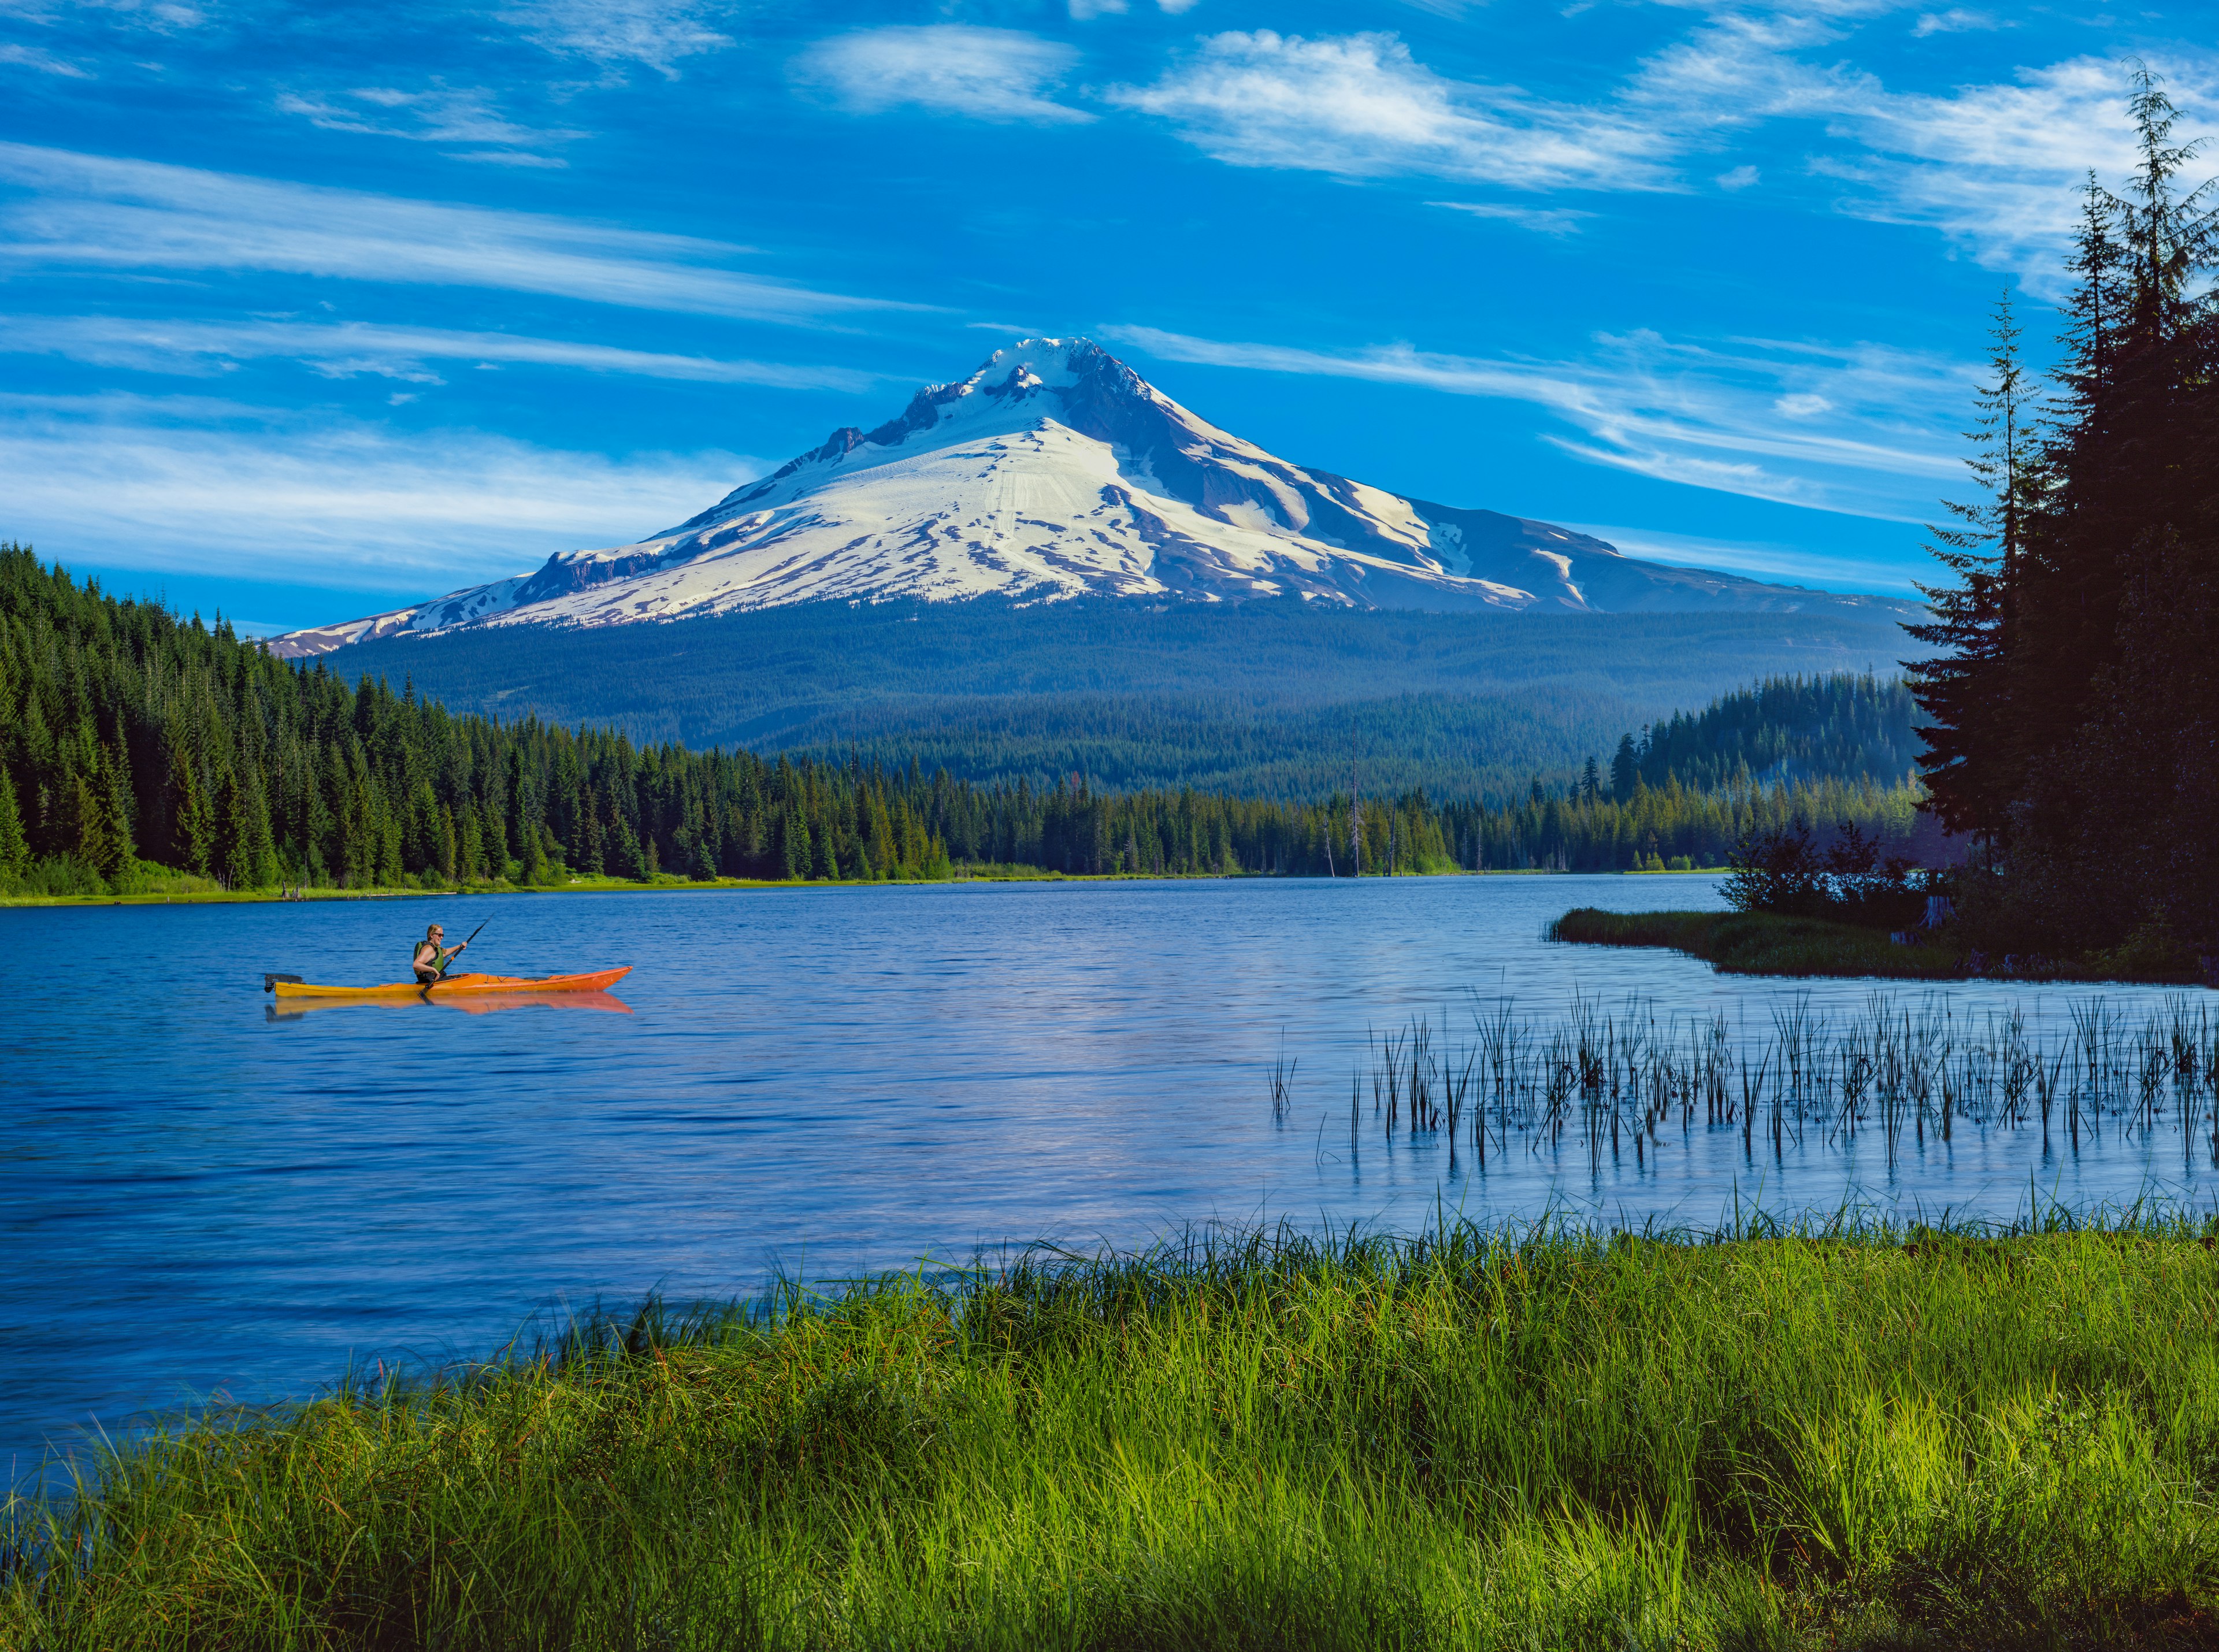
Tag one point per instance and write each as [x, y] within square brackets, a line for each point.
[1832, 1437]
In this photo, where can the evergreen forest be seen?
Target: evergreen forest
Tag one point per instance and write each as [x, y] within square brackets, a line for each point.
[2073, 686]
[141, 750]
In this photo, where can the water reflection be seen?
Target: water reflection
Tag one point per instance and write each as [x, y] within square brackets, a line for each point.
[478, 1003]
[822, 1080]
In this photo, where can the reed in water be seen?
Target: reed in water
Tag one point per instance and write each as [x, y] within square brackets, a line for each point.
[1622, 1083]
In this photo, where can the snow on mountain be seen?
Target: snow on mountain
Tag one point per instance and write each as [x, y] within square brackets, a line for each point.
[1055, 471]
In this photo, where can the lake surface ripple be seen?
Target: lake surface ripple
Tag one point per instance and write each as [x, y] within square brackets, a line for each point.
[202, 1199]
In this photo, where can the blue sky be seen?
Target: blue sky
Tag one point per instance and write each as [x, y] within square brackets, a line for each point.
[306, 311]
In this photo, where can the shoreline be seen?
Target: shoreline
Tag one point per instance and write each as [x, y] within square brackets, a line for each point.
[1773, 944]
[629, 886]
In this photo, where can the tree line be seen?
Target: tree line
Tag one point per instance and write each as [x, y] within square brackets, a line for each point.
[1837, 725]
[135, 743]
[2074, 688]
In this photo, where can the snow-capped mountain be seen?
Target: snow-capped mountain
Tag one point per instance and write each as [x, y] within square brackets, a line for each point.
[1055, 471]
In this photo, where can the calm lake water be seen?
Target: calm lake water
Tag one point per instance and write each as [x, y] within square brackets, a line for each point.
[200, 1198]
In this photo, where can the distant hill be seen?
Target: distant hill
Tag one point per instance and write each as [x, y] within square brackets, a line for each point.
[1842, 726]
[1264, 698]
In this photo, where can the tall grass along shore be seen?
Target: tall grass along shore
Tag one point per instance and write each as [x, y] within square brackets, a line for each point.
[1831, 1438]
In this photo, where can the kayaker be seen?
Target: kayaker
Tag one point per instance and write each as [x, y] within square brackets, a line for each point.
[432, 960]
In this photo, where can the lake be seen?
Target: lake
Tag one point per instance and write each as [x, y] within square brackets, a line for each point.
[202, 1198]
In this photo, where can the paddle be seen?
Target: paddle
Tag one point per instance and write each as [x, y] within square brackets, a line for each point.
[467, 939]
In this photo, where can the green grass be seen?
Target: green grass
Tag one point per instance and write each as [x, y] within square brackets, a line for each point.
[1830, 1439]
[1771, 943]
[1763, 943]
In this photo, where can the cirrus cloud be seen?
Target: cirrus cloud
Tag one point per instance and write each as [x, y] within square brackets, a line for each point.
[190, 485]
[988, 74]
[348, 349]
[79, 211]
[1361, 106]
[1707, 414]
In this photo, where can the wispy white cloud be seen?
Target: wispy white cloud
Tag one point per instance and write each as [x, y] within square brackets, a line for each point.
[439, 114]
[75, 25]
[1827, 570]
[658, 34]
[1361, 106]
[1992, 164]
[988, 74]
[38, 57]
[348, 349]
[1735, 72]
[1955, 21]
[88, 211]
[1707, 415]
[214, 488]
[1543, 220]
[509, 158]
[1998, 167]
[154, 16]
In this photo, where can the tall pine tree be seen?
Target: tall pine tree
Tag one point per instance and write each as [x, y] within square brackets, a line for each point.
[1970, 764]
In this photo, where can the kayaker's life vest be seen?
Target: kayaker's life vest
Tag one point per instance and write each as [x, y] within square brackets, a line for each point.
[418, 961]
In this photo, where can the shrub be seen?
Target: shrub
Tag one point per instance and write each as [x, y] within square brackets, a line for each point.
[1784, 871]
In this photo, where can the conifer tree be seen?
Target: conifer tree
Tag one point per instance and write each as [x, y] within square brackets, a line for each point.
[794, 850]
[114, 852]
[1965, 688]
[192, 821]
[1625, 770]
[244, 857]
[15, 848]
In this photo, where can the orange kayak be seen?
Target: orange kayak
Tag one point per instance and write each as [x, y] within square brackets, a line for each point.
[466, 1004]
[458, 986]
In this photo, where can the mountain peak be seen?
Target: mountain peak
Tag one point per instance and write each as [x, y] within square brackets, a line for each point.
[1055, 471]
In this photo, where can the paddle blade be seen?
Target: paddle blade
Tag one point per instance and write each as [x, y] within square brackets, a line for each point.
[269, 982]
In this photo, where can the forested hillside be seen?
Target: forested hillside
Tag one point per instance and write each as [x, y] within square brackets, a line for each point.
[1262, 699]
[1784, 728]
[136, 741]
[2074, 684]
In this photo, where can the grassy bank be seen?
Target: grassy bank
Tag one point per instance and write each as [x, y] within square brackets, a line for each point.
[1763, 943]
[1769, 943]
[1780, 1441]
[182, 889]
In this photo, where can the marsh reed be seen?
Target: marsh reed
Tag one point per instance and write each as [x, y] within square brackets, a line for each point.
[1619, 1083]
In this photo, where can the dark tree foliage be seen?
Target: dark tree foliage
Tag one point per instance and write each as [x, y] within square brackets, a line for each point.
[2075, 690]
[128, 735]
[131, 740]
[1783, 870]
[1840, 726]
[1269, 698]
[1964, 695]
